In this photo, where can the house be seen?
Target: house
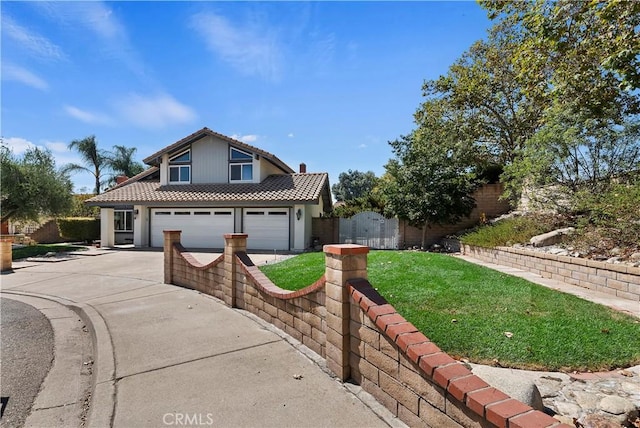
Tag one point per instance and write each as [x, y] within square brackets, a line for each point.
[207, 185]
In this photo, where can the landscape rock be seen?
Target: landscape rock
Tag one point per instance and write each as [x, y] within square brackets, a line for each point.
[550, 238]
[597, 421]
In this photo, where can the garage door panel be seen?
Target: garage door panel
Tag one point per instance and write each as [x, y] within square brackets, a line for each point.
[201, 227]
[267, 229]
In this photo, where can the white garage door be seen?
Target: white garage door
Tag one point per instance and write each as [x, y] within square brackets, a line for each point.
[201, 227]
[268, 228]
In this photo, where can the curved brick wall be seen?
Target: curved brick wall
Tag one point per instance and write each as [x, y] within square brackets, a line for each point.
[362, 337]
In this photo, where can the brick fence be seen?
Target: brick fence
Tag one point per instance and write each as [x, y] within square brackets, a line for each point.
[616, 279]
[342, 318]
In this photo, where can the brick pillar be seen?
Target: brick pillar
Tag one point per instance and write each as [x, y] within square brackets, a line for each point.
[233, 242]
[6, 261]
[343, 262]
[170, 237]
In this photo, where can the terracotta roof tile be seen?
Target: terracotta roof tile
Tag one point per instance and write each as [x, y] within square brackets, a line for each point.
[285, 188]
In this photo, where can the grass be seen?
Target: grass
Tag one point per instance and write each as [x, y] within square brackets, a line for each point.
[551, 330]
[40, 249]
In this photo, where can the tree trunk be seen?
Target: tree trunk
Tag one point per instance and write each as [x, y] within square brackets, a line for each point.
[424, 235]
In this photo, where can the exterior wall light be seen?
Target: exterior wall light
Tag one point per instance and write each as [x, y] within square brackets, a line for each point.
[299, 213]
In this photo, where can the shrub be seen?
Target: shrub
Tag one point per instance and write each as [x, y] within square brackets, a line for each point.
[514, 230]
[79, 228]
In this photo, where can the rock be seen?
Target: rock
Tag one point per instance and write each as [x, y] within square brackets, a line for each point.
[559, 252]
[617, 406]
[597, 421]
[550, 238]
[615, 251]
[518, 387]
[635, 257]
[613, 260]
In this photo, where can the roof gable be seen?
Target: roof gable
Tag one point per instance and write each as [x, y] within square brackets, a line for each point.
[154, 159]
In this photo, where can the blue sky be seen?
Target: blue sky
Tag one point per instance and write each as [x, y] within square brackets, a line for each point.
[324, 83]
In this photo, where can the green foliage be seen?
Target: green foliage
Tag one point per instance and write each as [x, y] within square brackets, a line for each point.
[79, 229]
[514, 230]
[80, 209]
[580, 53]
[610, 216]
[370, 202]
[551, 330]
[94, 159]
[32, 186]
[428, 182]
[121, 162]
[353, 185]
[481, 93]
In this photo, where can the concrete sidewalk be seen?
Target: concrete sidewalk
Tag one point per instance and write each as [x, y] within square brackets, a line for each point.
[628, 306]
[168, 356]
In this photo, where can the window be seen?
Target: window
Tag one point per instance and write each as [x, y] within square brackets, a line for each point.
[240, 165]
[123, 221]
[241, 171]
[240, 155]
[180, 168]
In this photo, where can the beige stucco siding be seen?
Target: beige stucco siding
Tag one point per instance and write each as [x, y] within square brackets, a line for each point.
[266, 169]
[209, 161]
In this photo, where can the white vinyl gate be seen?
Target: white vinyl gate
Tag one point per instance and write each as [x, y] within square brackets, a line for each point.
[371, 229]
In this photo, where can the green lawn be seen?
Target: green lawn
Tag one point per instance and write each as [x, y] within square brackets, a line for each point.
[467, 309]
[40, 249]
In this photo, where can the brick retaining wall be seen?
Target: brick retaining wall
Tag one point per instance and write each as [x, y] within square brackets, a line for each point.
[342, 318]
[616, 279]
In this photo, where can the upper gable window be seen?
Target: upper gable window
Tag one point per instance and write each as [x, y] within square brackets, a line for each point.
[240, 165]
[180, 168]
[239, 155]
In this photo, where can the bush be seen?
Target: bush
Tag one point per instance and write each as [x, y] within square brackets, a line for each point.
[79, 228]
[515, 230]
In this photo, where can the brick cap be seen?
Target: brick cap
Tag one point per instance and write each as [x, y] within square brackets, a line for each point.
[172, 231]
[345, 249]
[235, 235]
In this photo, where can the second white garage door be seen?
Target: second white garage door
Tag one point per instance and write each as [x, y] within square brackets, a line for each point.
[201, 228]
[268, 228]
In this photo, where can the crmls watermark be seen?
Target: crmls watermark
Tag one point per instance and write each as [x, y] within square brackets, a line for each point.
[187, 419]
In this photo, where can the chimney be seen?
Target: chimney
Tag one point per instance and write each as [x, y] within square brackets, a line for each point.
[121, 179]
[303, 168]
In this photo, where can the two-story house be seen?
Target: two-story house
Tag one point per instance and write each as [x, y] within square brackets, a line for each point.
[208, 184]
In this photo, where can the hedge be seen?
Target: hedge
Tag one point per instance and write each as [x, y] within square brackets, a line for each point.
[79, 228]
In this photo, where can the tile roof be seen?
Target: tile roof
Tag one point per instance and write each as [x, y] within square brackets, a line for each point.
[153, 159]
[284, 188]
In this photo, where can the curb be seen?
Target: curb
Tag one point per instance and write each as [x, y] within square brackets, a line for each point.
[103, 388]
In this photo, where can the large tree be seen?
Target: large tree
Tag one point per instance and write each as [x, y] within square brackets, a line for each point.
[95, 160]
[481, 90]
[430, 180]
[121, 162]
[585, 53]
[32, 185]
[354, 185]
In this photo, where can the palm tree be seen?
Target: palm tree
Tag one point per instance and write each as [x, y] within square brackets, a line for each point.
[121, 162]
[94, 159]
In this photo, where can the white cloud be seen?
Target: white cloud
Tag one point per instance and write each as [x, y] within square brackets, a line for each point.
[252, 48]
[251, 138]
[154, 112]
[87, 116]
[37, 45]
[17, 145]
[290, 135]
[98, 19]
[22, 75]
[56, 146]
[362, 146]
